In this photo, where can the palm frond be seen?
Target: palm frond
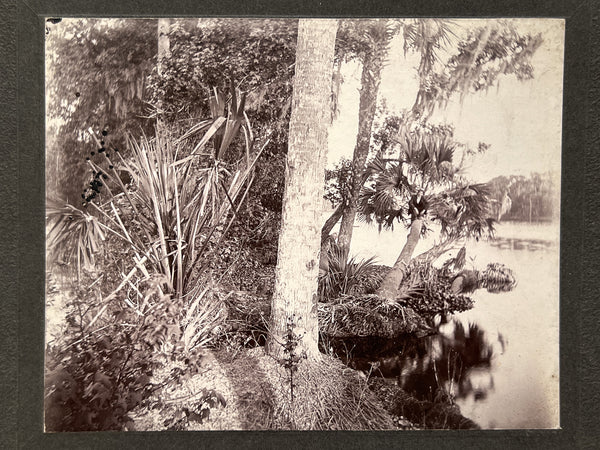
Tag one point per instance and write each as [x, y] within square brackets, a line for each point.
[384, 196]
[343, 275]
[464, 211]
[71, 231]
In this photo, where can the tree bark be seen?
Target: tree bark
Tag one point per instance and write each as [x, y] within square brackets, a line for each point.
[370, 81]
[390, 284]
[295, 294]
[164, 52]
[164, 44]
[330, 223]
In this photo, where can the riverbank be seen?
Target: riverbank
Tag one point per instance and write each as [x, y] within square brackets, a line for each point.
[232, 387]
[239, 391]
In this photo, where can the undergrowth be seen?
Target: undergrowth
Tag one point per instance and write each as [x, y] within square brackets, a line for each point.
[170, 219]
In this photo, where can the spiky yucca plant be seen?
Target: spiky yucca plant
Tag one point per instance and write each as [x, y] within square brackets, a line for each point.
[186, 194]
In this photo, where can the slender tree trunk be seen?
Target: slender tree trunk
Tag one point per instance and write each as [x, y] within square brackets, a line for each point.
[390, 284]
[331, 222]
[164, 45]
[370, 81]
[436, 251]
[164, 52]
[295, 295]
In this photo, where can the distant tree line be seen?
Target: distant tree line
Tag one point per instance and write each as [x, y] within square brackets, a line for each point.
[533, 198]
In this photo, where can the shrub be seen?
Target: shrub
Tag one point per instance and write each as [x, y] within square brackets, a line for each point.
[102, 370]
[342, 276]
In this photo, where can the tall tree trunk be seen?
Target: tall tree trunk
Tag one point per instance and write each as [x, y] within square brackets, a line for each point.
[370, 81]
[295, 295]
[390, 284]
[164, 52]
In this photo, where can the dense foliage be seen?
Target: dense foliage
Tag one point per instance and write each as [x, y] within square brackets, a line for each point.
[259, 54]
[96, 72]
[102, 368]
[116, 87]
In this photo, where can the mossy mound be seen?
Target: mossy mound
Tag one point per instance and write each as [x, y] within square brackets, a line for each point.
[327, 396]
[439, 414]
[369, 315]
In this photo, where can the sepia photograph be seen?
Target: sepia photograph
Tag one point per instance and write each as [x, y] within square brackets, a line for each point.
[302, 224]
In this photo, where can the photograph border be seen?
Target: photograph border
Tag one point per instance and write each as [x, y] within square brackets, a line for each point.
[23, 279]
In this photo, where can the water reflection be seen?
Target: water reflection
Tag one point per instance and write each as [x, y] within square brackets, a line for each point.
[520, 389]
[456, 362]
[521, 244]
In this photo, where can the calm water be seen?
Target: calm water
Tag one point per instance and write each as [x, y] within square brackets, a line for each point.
[501, 359]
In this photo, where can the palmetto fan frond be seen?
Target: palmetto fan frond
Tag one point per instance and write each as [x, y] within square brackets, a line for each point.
[72, 231]
[429, 156]
[386, 193]
[427, 36]
[343, 274]
[464, 211]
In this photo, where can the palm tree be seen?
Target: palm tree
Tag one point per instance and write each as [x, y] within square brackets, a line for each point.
[374, 38]
[480, 58]
[422, 185]
[295, 295]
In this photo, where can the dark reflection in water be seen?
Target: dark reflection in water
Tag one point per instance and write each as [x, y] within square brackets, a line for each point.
[453, 362]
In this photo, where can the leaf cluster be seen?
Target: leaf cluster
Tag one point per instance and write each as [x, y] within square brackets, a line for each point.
[464, 211]
[364, 38]
[101, 370]
[197, 411]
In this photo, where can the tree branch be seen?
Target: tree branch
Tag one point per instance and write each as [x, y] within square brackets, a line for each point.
[331, 222]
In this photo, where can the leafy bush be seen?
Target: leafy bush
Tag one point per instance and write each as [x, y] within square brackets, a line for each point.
[102, 370]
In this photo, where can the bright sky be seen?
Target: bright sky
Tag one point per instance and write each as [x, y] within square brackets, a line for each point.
[521, 120]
